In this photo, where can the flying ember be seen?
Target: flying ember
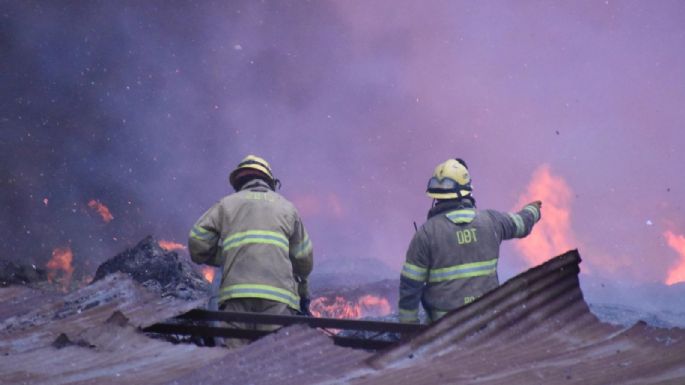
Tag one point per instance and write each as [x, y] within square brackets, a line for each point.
[170, 245]
[59, 266]
[101, 209]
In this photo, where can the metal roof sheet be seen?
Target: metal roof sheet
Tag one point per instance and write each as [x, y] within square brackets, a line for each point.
[534, 329]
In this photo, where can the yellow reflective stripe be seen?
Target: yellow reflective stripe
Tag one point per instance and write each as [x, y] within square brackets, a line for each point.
[461, 216]
[256, 232]
[466, 270]
[454, 276]
[256, 236]
[409, 312]
[518, 221]
[469, 265]
[409, 315]
[414, 272]
[202, 234]
[436, 314]
[533, 210]
[260, 291]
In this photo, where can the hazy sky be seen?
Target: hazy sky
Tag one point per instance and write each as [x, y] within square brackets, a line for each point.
[146, 107]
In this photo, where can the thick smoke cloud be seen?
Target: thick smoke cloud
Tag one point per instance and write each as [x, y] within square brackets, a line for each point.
[146, 106]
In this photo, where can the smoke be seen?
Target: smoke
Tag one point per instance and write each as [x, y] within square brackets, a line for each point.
[553, 234]
[147, 106]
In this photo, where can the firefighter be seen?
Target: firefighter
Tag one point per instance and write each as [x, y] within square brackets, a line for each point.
[258, 240]
[452, 258]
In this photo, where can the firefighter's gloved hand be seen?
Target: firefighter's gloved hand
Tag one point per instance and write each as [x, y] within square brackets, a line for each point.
[536, 203]
[304, 306]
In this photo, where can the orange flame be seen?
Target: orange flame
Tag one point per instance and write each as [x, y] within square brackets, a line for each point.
[676, 273]
[101, 209]
[170, 245]
[339, 307]
[208, 272]
[553, 234]
[61, 261]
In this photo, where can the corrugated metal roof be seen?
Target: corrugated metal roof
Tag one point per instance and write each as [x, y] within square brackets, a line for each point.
[534, 329]
[102, 351]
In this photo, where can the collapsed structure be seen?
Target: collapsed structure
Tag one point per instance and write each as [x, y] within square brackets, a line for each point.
[536, 328]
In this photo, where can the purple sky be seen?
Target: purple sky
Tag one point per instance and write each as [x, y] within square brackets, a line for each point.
[147, 106]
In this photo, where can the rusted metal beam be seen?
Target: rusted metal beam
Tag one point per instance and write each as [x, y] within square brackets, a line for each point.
[325, 323]
[226, 332]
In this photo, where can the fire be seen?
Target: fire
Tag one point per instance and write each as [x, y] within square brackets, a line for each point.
[208, 272]
[170, 245]
[101, 209]
[339, 307]
[553, 234]
[61, 261]
[676, 273]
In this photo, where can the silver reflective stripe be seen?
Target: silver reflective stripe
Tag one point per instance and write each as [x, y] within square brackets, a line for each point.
[518, 221]
[533, 210]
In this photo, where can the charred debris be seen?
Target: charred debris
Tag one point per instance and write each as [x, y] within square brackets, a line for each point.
[156, 269]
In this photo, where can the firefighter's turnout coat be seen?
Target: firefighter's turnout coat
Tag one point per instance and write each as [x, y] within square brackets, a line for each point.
[257, 238]
[452, 259]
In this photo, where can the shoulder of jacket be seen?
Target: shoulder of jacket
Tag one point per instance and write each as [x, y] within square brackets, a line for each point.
[282, 201]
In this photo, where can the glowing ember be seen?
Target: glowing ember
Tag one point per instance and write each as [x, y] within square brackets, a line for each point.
[101, 209]
[59, 266]
[374, 306]
[677, 273]
[170, 246]
[553, 234]
[339, 307]
[208, 272]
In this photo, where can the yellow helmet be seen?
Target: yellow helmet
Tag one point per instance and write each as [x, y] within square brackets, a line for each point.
[450, 180]
[252, 166]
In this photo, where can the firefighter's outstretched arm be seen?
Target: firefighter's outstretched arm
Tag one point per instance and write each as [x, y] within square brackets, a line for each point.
[413, 278]
[203, 240]
[519, 224]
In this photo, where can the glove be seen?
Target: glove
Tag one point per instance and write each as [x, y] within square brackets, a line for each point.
[304, 306]
[538, 205]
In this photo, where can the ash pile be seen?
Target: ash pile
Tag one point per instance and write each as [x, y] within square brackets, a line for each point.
[158, 270]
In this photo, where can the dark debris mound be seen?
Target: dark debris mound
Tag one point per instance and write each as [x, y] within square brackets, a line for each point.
[12, 273]
[148, 264]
